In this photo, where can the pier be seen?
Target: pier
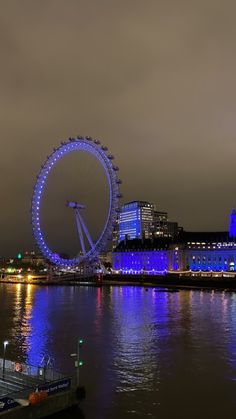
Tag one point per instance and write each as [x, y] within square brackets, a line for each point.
[27, 391]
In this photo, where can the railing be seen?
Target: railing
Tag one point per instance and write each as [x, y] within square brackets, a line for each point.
[51, 387]
[17, 380]
[42, 373]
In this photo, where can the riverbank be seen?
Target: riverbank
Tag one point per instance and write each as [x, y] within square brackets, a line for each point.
[166, 281]
[176, 281]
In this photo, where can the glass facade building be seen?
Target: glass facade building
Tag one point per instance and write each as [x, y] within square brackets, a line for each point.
[140, 219]
[136, 220]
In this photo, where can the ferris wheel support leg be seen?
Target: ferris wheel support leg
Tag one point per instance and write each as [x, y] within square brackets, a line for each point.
[85, 230]
[80, 232]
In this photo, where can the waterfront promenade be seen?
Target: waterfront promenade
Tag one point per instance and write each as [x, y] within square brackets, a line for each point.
[221, 281]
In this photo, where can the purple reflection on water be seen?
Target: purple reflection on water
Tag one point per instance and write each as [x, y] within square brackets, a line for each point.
[142, 348]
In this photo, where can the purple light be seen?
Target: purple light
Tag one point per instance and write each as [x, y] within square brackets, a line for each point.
[152, 262]
[67, 147]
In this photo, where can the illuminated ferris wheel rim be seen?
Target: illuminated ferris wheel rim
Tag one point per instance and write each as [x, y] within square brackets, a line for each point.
[95, 148]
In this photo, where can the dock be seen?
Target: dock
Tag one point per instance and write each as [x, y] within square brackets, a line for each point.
[28, 392]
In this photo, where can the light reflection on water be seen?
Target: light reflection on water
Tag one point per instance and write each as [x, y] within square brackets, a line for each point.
[147, 353]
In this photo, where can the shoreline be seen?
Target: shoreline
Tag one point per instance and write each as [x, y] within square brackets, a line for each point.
[168, 281]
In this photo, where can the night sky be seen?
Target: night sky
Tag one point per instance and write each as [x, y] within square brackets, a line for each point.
[154, 80]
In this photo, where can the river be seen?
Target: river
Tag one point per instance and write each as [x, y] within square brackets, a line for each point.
[147, 352]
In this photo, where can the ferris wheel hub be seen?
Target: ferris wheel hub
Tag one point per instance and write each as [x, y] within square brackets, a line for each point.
[75, 205]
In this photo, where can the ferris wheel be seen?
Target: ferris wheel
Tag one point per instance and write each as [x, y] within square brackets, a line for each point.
[94, 248]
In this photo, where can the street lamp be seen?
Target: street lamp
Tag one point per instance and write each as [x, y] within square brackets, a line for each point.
[5, 343]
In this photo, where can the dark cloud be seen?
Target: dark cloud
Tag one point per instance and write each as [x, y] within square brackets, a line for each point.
[154, 80]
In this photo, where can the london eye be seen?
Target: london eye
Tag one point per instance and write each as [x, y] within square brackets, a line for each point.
[91, 251]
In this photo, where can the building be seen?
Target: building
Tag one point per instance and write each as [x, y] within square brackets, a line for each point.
[30, 258]
[188, 251]
[172, 229]
[160, 221]
[140, 256]
[232, 224]
[140, 219]
[207, 251]
[136, 220]
[162, 227]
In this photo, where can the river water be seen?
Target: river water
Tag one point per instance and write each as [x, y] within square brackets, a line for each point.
[147, 352]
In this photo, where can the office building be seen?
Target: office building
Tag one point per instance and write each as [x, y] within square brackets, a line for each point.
[136, 220]
[140, 219]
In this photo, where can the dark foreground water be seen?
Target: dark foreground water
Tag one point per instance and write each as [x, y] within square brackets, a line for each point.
[147, 353]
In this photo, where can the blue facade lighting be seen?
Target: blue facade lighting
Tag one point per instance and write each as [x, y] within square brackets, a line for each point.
[197, 252]
[160, 261]
[136, 219]
[232, 226]
[152, 262]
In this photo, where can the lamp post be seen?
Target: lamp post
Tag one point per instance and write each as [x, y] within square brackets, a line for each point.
[78, 362]
[5, 343]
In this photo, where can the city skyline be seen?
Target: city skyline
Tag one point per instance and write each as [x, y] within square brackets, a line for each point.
[156, 86]
[118, 209]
